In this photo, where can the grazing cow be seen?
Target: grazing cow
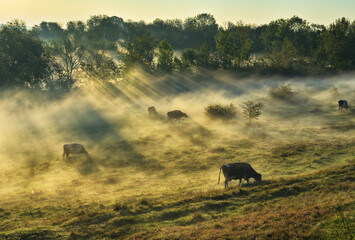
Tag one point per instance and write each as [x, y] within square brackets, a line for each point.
[75, 148]
[238, 171]
[176, 114]
[343, 104]
[152, 112]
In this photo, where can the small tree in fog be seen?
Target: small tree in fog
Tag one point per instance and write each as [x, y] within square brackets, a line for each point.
[283, 91]
[251, 109]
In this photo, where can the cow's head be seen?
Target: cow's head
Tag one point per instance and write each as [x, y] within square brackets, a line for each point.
[257, 177]
[185, 115]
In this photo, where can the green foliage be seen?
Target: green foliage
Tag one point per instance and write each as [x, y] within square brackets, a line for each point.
[220, 111]
[102, 26]
[202, 28]
[24, 60]
[101, 67]
[205, 57]
[251, 109]
[283, 91]
[336, 47]
[165, 56]
[189, 58]
[140, 51]
[285, 57]
[49, 31]
[233, 45]
[286, 46]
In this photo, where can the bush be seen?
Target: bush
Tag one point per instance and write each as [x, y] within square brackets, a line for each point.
[283, 91]
[220, 111]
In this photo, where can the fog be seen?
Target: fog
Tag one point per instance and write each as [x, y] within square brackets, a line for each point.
[134, 156]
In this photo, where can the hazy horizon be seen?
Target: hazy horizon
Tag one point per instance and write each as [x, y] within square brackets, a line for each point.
[253, 12]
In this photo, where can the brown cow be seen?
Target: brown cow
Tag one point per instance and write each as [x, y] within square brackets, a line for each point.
[75, 148]
[176, 114]
[238, 171]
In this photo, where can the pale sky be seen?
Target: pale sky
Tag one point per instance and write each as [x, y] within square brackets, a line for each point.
[249, 11]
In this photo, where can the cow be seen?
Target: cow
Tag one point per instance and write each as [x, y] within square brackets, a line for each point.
[238, 171]
[342, 104]
[152, 112]
[74, 148]
[176, 114]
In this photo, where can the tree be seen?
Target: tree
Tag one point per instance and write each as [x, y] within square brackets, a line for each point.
[202, 28]
[251, 110]
[105, 27]
[101, 68]
[24, 60]
[188, 58]
[68, 55]
[233, 45]
[49, 30]
[204, 56]
[165, 56]
[337, 44]
[76, 28]
[140, 51]
[285, 57]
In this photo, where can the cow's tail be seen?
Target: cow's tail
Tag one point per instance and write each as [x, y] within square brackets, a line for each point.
[219, 176]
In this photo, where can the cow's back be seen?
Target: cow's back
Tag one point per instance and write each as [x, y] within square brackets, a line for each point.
[240, 170]
[176, 114]
[74, 148]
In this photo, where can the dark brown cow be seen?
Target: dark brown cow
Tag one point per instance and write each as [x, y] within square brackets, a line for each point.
[176, 114]
[238, 171]
[342, 104]
[152, 112]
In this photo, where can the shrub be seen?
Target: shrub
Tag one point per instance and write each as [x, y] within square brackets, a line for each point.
[283, 91]
[220, 111]
[251, 110]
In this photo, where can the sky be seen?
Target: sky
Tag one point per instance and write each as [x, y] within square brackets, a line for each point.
[249, 11]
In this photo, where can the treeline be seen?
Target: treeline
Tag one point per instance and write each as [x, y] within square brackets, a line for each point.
[103, 48]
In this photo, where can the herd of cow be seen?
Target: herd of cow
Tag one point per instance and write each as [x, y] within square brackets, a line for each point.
[231, 171]
[172, 115]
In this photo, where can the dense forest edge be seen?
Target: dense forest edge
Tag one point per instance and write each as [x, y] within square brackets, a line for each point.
[105, 49]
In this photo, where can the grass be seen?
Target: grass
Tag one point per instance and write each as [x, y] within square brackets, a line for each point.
[308, 206]
[156, 180]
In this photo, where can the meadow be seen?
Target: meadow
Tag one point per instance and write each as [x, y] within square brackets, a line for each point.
[153, 179]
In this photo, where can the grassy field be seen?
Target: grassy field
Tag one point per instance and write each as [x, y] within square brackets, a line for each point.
[151, 179]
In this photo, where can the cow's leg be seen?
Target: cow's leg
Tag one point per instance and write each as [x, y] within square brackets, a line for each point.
[226, 183]
[240, 181]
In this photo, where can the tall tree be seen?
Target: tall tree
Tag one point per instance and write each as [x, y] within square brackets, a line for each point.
[165, 56]
[338, 44]
[233, 45]
[199, 29]
[24, 60]
[68, 55]
[140, 50]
